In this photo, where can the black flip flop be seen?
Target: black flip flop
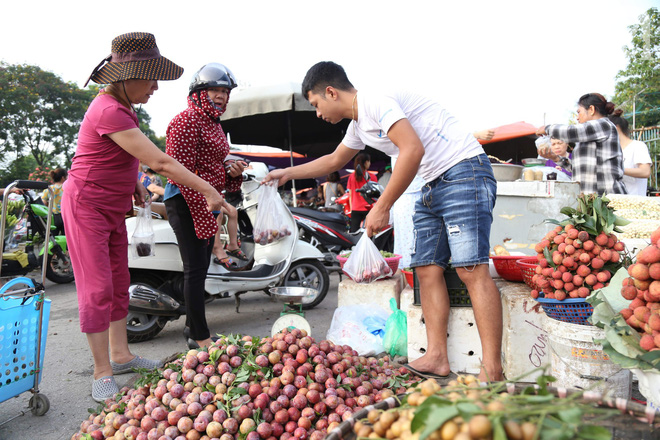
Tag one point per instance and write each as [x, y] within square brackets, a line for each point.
[193, 345]
[424, 374]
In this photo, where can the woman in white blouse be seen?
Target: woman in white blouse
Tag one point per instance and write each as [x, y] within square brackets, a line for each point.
[636, 159]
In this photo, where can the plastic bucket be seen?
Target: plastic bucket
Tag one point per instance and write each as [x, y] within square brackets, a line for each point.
[649, 387]
[577, 362]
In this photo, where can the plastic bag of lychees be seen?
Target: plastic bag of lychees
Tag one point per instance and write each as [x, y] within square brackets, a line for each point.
[366, 263]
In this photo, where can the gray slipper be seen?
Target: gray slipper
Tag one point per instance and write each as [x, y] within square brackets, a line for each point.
[104, 388]
[136, 362]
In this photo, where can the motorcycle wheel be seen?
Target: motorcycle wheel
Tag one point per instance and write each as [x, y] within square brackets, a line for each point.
[312, 274]
[59, 270]
[142, 327]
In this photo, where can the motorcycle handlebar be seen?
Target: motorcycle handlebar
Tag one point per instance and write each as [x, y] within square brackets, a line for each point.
[31, 184]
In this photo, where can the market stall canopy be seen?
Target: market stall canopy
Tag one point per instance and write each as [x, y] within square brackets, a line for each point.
[281, 117]
[281, 159]
[512, 141]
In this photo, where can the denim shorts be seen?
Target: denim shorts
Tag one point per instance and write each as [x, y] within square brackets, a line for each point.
[453, 216]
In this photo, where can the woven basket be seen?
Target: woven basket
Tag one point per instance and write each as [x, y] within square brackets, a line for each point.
[527, 267]
[572, 310]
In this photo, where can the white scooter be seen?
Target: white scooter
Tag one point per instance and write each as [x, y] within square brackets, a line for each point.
[156, 291]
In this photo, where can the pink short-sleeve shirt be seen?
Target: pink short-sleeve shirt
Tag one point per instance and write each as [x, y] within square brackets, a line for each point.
[102, 172]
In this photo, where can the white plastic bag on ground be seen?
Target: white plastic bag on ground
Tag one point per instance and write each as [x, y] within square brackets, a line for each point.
[361, 327]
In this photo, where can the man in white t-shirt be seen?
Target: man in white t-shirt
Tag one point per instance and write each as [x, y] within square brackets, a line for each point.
[452, 216]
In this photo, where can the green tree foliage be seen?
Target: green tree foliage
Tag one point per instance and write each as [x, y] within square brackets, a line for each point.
[17, 170]
[639, 82]
[40, 113]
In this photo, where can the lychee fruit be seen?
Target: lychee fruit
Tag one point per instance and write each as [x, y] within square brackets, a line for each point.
[655, 236]
[642, 313]
[639, 271]
[601, 239]
[649, 255]
[647, 343]
[654, 271]
[629, 292]
[654, 321]
[626, 313]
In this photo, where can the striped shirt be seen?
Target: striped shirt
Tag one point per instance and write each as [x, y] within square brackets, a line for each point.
[597, 157]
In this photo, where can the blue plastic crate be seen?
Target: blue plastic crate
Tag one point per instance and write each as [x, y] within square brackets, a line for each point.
[573, 310]
[19, 333]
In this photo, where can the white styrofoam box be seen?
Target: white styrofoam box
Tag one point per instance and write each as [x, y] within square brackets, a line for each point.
[578, 362]
[524, 340]
[351, 293]
[463, 343]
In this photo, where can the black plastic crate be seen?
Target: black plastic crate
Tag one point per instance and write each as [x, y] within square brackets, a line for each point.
[458, 294]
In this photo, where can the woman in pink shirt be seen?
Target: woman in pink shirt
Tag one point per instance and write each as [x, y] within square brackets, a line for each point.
[97, 195]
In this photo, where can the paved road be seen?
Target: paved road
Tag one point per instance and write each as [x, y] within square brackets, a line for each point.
[67, 375]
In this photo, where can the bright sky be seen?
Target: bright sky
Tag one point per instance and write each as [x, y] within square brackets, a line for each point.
[488, 62]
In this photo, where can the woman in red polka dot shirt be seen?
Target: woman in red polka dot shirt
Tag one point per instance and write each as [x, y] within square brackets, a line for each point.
[196, 140]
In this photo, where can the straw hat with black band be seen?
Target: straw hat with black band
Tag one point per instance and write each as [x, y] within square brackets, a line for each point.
[134, 56]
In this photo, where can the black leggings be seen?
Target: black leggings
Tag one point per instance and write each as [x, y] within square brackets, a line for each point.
[196, 257]
[356, 219]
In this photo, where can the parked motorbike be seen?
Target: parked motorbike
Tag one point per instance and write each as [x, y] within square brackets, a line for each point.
[156, 290]
[328, 231]
[35, 218]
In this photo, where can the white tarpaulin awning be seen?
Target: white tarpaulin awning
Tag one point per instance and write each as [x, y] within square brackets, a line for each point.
[266, 99]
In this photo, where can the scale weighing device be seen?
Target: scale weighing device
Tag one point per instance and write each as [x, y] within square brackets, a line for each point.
[292, 316]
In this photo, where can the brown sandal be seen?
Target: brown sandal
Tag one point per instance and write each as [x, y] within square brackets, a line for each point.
[226, 262]
[238, 253]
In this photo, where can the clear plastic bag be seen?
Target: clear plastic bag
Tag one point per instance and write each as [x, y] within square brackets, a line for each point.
[359, 326]
[396, 332]
[269, 226]
[543, 145]
[143, 240]
[366, 264]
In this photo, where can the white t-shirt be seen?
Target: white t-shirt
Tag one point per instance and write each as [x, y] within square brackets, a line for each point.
[445, 141]
[636, 152]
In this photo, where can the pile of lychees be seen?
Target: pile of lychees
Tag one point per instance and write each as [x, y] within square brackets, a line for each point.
[578, 262]
[276, 388]
[643, 288]
[581, 253]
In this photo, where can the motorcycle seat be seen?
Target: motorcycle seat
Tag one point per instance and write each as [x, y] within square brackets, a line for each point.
[159, 208]
[332, 217]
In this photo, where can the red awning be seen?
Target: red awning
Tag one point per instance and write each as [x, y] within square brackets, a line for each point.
[256, 154]
[511, 131]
